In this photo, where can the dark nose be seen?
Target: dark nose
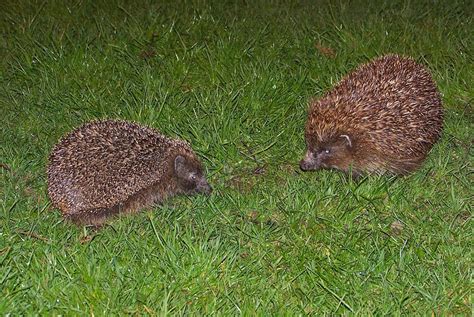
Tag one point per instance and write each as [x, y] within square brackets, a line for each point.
[304, 165]
[205, 188]
[208, 189]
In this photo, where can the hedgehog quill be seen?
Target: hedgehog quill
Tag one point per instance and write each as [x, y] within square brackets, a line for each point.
[382, 118]
[111, 167]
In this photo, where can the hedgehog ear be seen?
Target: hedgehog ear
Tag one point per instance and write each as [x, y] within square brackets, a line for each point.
[347, 139]
[180, 165]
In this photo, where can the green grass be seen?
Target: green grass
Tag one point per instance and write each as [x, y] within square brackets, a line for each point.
[233, 78]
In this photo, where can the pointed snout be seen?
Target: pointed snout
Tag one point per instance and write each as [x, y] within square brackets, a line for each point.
[309, 163]
[305, 165]
[204, 187]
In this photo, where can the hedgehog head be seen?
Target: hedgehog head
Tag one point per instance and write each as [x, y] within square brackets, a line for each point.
[335, 152]
[189, 175]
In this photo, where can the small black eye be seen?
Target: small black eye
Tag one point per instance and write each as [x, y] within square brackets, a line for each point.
[327, 151]
[193, 177]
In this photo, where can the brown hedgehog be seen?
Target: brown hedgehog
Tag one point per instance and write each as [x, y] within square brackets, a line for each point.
[382, 118]
[104, 168]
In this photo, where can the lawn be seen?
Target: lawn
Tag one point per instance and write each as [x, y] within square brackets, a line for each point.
[234, 79]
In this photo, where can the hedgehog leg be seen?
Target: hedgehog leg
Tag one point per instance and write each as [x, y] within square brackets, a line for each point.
[145, 198]
[353, 173]
[355, 176]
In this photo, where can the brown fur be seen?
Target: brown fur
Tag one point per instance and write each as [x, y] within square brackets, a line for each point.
[383, 117]
[110, 167]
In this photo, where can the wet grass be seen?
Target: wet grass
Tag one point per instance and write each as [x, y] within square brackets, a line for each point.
[234, 80]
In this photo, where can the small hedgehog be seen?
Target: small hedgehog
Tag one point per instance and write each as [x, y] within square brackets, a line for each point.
[382, 118]
[109, 167]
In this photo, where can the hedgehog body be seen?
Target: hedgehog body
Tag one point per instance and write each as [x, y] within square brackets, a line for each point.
[104, 168]
[383, 117]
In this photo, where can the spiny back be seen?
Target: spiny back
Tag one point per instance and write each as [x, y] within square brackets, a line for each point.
[390, 104]
[103, 162]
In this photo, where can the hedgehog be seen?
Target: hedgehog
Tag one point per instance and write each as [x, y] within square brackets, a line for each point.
[110, 167]
[383, 118]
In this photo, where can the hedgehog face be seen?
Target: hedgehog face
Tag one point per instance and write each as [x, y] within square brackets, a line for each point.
[190, 176]
[332, 154]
